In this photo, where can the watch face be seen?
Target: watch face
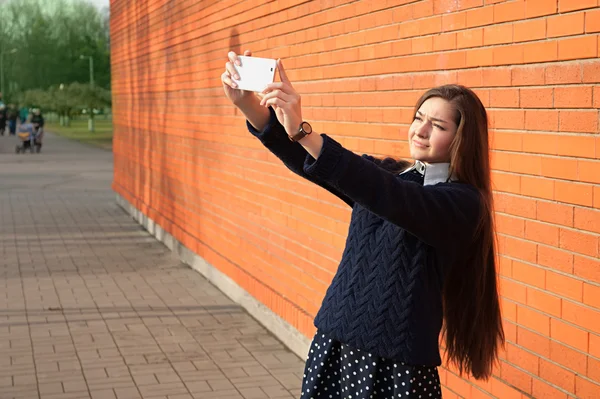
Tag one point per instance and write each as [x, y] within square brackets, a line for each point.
[306, 127]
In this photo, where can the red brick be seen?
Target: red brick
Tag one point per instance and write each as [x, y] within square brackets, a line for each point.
[523, 358]
[569, 334]
[543, 390]
[534, 342]
[505, 98]
[591, 71]
[509, 11]
[480, 17]
[564, 73]
[594, 347]
[573, 97]
[445, 41]
[454, 21]
[515, 205]
[557, 375]
[536, 97]
[501, 390]
[542, 120]
[589, 171]
[564, 285]
[497, 34]
[529, 30]
[555, 259]
[580, 315]
[538, 8]
[566, 25]
[572, 5]
[573, 193]
[579, 121]
[586, 389]
[591, 295]
[587, 219]
[533, 320]
[537, 187]
[512, 290]
[516, 377]
[469, 38]
[541, 232]
[562, 168]
[546, 51]
[580, 242]
[587, 268]
[540, 143]
[578, 48]
[576, 146]
[527, 76]
[570, 358]
[592, 21]
[544, 302]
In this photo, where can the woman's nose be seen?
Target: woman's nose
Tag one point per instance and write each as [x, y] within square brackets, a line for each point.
[422, 130]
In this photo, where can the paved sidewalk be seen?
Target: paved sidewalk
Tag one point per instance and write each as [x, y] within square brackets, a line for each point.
[94, 307]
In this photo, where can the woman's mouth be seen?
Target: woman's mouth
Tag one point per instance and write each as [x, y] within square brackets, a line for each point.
[419, 145]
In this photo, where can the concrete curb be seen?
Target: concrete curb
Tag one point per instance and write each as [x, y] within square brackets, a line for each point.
[285, 332]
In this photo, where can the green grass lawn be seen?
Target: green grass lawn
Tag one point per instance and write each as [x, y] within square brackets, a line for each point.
[78, 130]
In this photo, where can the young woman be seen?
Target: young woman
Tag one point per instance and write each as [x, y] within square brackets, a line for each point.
[419, 257]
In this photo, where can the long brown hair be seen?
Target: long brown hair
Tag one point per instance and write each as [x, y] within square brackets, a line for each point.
[472, 327]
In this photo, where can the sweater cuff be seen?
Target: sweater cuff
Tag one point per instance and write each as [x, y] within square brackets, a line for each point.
[330, 163]
[269, 132]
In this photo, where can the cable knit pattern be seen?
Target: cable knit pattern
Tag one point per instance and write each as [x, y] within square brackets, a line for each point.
[386, 297]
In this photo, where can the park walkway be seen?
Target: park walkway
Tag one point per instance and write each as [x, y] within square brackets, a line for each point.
[94, 307]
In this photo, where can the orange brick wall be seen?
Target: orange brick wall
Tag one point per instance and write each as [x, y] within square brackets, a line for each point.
[184, 157]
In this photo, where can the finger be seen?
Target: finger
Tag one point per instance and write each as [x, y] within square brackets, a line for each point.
[227, 80]
[233, 58]
[231, 70]
[278, 85]
[282, 75]
[248, 53]
[277, 102]
[277, 94]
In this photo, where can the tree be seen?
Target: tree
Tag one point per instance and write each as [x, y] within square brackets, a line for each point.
[49, 37]
[66, 100]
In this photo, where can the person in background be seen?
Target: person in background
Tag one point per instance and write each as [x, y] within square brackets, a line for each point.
[38, 124]
[23, 113]
[11, 117]
[420, 257]
[2, 119]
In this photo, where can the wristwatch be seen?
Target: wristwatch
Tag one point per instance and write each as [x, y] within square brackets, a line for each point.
[304, 130]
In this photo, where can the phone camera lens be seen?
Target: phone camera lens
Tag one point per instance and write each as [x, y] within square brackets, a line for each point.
[271, 69]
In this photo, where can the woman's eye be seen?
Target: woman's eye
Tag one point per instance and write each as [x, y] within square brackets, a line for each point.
[418, 118]
[439, 127]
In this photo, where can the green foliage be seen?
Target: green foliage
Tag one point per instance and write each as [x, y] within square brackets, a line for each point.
[68, 100]
[50, 36]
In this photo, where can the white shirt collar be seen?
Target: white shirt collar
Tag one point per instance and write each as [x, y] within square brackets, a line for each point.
[433, 173]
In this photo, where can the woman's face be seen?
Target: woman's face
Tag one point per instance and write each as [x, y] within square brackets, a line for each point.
[432, 131]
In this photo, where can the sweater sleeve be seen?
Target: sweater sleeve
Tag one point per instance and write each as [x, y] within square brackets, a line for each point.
[293, 155]
[441, 215]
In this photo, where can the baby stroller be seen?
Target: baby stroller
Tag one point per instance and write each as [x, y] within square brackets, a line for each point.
[28, 139]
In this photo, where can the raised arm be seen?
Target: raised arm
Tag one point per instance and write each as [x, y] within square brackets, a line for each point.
[263, 123]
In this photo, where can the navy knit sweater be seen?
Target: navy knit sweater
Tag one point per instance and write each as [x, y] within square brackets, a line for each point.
[386, 297]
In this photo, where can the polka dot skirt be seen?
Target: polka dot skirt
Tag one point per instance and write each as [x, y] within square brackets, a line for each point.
[336, 371]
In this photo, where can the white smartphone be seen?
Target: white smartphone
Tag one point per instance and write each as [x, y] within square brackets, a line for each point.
[255, 73]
